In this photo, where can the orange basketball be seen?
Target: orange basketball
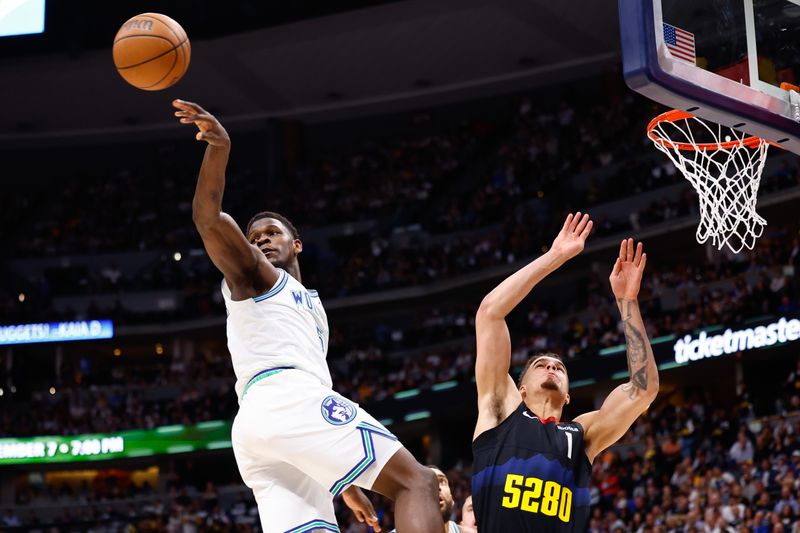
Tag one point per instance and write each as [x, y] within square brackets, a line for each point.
[151, 51]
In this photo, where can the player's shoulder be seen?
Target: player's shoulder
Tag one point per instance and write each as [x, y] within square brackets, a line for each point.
[585, 420]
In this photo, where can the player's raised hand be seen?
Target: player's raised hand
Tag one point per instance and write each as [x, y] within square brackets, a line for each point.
[210, 130]
[362, 508]
[626, 277]
[572, 237]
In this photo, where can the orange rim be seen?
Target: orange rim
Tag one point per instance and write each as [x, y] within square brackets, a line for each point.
[676, 114]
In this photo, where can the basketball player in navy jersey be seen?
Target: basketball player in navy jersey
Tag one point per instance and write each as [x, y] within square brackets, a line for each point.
[297, 442]
[532, 471]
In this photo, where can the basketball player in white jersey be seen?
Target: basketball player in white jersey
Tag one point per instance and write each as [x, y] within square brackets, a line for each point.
[297, 442]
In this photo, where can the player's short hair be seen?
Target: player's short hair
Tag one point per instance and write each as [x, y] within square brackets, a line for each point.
[277, 216]
[533, 358]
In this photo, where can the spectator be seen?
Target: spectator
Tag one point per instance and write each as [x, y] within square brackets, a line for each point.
[742, 450]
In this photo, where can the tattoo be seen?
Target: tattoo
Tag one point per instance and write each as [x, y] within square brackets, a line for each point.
[626, 308]
[636, 344]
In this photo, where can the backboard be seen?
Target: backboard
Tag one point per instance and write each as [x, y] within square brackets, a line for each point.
[721, 60]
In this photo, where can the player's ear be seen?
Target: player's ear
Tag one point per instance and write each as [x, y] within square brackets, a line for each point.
[522, 391]
[566, 399]
[298, 246]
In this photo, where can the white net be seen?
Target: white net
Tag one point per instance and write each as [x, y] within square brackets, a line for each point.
[725, 172]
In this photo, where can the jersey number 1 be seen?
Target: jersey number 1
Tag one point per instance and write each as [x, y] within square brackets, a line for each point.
[569, 444]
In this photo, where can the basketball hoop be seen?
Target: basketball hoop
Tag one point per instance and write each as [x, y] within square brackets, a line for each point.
[725, 170]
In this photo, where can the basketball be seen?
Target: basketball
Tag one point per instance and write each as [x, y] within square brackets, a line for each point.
[151, 51]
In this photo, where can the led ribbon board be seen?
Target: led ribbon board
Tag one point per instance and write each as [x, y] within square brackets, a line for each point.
[704, 346]
[212, 435]
[79, 330]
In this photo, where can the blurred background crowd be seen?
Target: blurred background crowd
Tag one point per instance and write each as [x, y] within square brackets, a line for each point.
[408, 217]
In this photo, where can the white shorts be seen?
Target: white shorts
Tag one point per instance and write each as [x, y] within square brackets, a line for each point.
[298, 443]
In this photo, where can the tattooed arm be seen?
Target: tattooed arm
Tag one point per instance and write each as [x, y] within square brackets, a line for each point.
[623, 406]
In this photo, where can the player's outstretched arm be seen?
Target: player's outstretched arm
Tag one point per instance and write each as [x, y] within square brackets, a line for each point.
[497, 394]
[242, 263]
[625, 403]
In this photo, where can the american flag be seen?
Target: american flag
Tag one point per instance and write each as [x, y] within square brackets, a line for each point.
[680, 43]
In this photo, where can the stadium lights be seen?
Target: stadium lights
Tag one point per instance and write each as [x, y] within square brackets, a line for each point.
[410, 393]
[417, 415]
[444, 385]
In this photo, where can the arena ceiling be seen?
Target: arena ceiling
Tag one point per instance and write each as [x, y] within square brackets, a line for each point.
[382, 58]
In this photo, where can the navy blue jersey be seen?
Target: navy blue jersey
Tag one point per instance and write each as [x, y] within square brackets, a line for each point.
[531, 475]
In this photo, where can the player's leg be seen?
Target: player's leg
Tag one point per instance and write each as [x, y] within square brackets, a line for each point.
[393, 472]
[333, 441]
[414, 489]
[380, 463]
[291, 502]
[288, 500]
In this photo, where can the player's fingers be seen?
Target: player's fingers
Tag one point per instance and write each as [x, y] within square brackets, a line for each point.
[617, 267]
[180, 104]
[187, 106]
[623, 250]
[197, 117]
[574, 223]
[587, 230]
[638, 257]
[643, 262]
[567, 222]
[373, 522]
[630, 250]
[582, 223]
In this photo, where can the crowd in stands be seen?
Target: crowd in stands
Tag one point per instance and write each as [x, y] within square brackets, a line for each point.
[483, 194]
[177, 508]
[179, 504]
[147, 206]
[677, 297]
[698, 466]
[692, 463]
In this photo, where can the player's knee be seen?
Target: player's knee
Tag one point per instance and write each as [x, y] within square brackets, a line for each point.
[425, 480]
[403, 474]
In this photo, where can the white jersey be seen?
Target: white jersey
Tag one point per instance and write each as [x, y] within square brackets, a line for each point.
[284, 327]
